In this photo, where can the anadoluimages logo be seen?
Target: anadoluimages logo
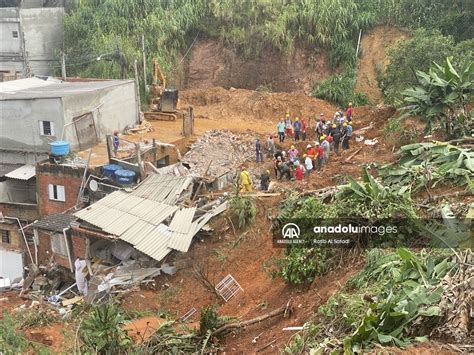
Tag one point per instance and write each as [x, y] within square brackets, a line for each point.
[290, 231]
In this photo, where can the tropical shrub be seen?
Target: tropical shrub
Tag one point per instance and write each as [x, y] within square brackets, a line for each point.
[441, 97]
[243, 209]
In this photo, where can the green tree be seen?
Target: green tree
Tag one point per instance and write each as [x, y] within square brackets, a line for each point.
[411, 55]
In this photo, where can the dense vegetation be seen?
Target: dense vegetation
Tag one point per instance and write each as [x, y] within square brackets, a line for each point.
[112, 30]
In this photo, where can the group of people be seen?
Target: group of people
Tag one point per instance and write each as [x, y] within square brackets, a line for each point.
[330, 135]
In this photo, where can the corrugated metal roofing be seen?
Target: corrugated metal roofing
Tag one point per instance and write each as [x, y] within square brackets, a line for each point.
[155, 243]
[137, 217]
[162, 188]
[182, 220]
[24, 172]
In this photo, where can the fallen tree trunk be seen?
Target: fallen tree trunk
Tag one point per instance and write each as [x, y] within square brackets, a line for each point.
[284, 310]
[352, 155]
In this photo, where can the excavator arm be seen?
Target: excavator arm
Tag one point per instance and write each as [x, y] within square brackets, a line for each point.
[158, 74]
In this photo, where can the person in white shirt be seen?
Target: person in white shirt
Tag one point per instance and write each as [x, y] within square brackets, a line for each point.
[308, 163]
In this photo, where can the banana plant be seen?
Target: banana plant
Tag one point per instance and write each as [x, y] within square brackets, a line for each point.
[442, 96]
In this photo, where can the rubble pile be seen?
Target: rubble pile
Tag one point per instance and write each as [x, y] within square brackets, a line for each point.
[226, 150]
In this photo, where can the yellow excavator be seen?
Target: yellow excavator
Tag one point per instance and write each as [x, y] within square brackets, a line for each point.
[163, 101]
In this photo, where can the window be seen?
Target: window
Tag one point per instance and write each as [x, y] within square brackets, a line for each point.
[30, 237]
[46, 128]
[5, 236]
[58, 244]
[165, 161]
[15, 34]
[56, 192]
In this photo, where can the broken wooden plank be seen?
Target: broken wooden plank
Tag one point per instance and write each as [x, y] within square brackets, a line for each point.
[73, 300]
[352, 155]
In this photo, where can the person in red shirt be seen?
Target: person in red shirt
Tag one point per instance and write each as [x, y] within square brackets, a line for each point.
[298, 172]
[349, 112]
[311, 152]
[320, 157]
[304, 126]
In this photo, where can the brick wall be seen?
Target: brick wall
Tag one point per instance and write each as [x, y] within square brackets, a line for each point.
[77, 247]
[23, 211]
[16, 243]
[68, 177]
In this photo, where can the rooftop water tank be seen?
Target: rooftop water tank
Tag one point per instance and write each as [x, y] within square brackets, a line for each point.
[125, 177]
[60, 148]
[110, 169]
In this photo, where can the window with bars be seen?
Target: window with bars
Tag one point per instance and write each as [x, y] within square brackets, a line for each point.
[46, 128]
[5, 236]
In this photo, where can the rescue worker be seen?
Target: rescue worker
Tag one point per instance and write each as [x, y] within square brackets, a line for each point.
[308, 163]
[276, 165]
[284, 170]
[349, 112]
[116, 141]
[319, 126]
[281, 131]
[311, 152]
[265, 180]
[271, 146]
[336, 135]
[297, 129]
[298, 171]
[245, 180]
[293, 153]
[304, 127]
[320, 156]
[258, 150]
[325, 146]
[288, 126]
[347, 134]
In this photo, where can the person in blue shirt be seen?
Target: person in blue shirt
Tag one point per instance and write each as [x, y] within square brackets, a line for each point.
[115, 142]
[297, 129]
[281, 131]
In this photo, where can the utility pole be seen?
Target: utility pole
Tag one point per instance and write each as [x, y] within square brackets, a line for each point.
[63, 65]
[137, 90]
[144, 61]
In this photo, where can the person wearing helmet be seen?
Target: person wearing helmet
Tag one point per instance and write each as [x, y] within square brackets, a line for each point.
[311, 152]
[245, 180]
[349, 112]
[288, 126]
[346, 135]
[298, 171]
[281, 131]
[308, 164]
[304, 127]
[293, 153]
[265, 180]
[297, 129]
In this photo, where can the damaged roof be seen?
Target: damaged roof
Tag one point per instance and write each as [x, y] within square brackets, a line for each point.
[163, 188]
[138, 217]
[54, 222]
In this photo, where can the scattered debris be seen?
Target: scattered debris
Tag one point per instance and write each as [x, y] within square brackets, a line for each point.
[226, 150]
[228, 288]
[188, 315]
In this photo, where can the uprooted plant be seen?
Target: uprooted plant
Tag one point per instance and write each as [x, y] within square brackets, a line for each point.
[425, 165]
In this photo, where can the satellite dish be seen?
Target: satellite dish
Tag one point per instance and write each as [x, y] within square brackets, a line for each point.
[93, 185]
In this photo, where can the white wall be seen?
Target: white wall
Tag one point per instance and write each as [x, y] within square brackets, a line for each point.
[19, 123]
[118, 109]
[11, 264]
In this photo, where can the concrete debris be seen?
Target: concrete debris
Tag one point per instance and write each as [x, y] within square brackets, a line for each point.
[169, 269]
[226, 150]
[371, 141]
